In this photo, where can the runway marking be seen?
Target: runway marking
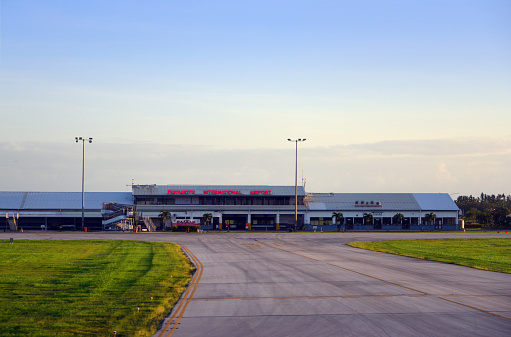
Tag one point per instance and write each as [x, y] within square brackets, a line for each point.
[190, 291]
[300, 297]
[350, 270]
[252, 245]
[389, 282]
[471, 307]
[338, 296]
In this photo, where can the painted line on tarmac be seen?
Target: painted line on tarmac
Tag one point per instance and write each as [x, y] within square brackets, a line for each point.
[190, 291]
[350, 270]
[304, 297]
[471, 307]
[337, 296]
[389, 282]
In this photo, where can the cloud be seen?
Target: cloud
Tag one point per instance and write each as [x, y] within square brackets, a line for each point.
[467, 166]
[450, 165]
[443, 174]
[437, 147]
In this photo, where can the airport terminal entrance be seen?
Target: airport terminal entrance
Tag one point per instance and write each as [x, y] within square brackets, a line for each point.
[377, 223]
[234, 222]
[263, 222]
[349, 223]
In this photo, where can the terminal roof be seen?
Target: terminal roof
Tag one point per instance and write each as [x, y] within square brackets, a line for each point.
[367, 202]
[60, 200]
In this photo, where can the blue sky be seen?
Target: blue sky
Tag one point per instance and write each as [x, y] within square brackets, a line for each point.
[361, 80]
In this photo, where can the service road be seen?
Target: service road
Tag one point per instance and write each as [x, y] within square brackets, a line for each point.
[312, 284]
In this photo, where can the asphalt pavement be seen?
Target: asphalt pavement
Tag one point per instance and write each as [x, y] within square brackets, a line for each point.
[312, 284]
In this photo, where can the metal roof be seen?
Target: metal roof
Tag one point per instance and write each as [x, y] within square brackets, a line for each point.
[435, 202]
[381, 202]
[315, 201]
[61, 200]
[217, 190]
[11, 200]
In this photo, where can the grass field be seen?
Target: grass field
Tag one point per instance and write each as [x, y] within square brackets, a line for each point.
[80, 288]
[487, 254]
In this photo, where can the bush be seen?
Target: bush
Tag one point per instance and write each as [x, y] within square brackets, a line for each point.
[185, 228]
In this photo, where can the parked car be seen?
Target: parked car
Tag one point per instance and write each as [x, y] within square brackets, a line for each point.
[67, 227]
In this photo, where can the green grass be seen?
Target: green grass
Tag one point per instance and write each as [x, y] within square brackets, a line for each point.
[487, 254]
[78, 288]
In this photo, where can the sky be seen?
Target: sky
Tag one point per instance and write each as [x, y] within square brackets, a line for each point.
[392, 96]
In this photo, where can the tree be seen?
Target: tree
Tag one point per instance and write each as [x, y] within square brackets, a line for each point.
[430, 217]
[164, 215]
[500, 216]
[477, 209]
[398, 218]
[206, 217]
[483, 203]
[339, 220]
[485, 218]
[472, 214]
[368, 218]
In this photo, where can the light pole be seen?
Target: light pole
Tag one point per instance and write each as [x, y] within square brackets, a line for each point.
[83, 174]
[296, 177]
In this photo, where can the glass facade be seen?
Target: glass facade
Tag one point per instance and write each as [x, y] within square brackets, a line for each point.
[321, 221]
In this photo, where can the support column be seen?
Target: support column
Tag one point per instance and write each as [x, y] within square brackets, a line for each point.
[277, 227]
[220, 221]
[249, 221]
[306, 219]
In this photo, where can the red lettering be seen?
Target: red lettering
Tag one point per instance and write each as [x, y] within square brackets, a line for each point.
[260, 192]
[221, 192]
[180, 192]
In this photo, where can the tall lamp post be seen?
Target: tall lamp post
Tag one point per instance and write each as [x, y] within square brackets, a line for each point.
[296, 176]
[83, 174]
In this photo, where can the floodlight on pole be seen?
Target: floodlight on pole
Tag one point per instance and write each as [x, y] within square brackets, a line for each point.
[83, 139]
[296, 176]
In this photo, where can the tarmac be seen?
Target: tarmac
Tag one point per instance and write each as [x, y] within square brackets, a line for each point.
[312, 284]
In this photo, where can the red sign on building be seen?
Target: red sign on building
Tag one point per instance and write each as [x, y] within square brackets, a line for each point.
[260, 192]
[219, 192]
[222, 192]
[180, 192]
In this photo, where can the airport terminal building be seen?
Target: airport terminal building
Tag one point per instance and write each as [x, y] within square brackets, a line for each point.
[232, 207]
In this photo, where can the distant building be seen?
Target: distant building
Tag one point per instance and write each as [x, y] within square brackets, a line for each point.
[54, 210]
[233, 207]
